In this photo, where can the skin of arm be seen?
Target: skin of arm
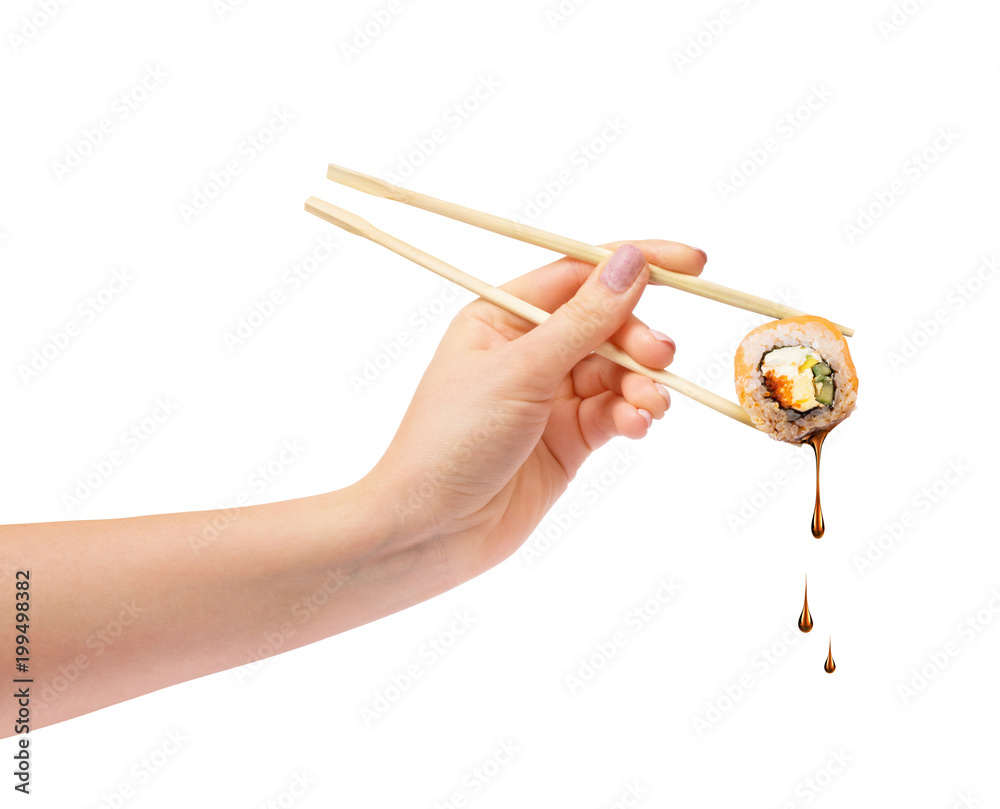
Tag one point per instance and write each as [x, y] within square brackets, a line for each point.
[501, 421]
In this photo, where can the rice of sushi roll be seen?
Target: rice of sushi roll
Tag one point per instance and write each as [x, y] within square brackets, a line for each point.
[795, 377]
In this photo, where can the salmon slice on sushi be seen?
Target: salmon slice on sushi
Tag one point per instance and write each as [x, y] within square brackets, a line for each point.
[795, 377]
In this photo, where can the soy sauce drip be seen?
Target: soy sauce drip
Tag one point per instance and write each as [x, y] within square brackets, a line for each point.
[805, 617]
[829, 666]
[818, 523]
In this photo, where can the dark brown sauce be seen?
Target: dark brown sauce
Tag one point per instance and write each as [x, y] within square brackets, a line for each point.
[818, 523]
[805, 617]
[829, 666]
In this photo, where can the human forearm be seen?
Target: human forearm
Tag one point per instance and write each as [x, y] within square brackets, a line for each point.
[125, 607]
[501, 421]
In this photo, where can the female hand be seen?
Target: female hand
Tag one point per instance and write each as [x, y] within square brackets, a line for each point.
[501, 421]
[507, 412]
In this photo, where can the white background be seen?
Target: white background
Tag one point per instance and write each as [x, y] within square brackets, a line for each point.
[714, 701]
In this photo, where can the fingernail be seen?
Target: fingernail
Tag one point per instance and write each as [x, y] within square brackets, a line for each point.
[704, 255]
[623, 268]
[663, 338]
[662, 390]
[647, 417]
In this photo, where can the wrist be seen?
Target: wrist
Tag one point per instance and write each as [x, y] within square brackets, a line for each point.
[401, 515]
[390, 559]
[413, 526]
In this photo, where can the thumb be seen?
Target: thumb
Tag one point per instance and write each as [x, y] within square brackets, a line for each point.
[598, 309]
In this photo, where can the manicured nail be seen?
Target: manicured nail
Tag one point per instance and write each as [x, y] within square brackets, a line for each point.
[623, 268]
[647, 417]
[662, 390]
[704, 255]
[663, 338]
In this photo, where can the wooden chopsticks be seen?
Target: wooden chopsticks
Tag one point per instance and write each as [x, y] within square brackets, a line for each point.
[560, 244]
[360, 227]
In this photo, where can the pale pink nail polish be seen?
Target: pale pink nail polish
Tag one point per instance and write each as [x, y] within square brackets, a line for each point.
[623, 268]
[663, 338]
[704, 255]
[663, 391]
[647, 417]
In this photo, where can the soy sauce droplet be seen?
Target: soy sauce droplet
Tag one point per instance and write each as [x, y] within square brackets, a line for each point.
[829, 666]
[818, 524]
[805, 617]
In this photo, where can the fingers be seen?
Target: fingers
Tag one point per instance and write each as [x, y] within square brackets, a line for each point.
[597, 310]
[673, 256]
[605, 416]
[650, 347]
[551, 286]
[644, 394]
[596, 375]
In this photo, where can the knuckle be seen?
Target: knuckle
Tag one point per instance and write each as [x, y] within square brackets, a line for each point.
[585, 315]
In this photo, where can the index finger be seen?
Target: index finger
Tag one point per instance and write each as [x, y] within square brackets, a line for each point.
[549, 287]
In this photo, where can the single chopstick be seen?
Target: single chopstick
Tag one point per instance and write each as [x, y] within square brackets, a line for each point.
[560, 244]
[360, 227]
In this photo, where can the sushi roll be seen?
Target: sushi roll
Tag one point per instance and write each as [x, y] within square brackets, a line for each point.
[795, 377]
